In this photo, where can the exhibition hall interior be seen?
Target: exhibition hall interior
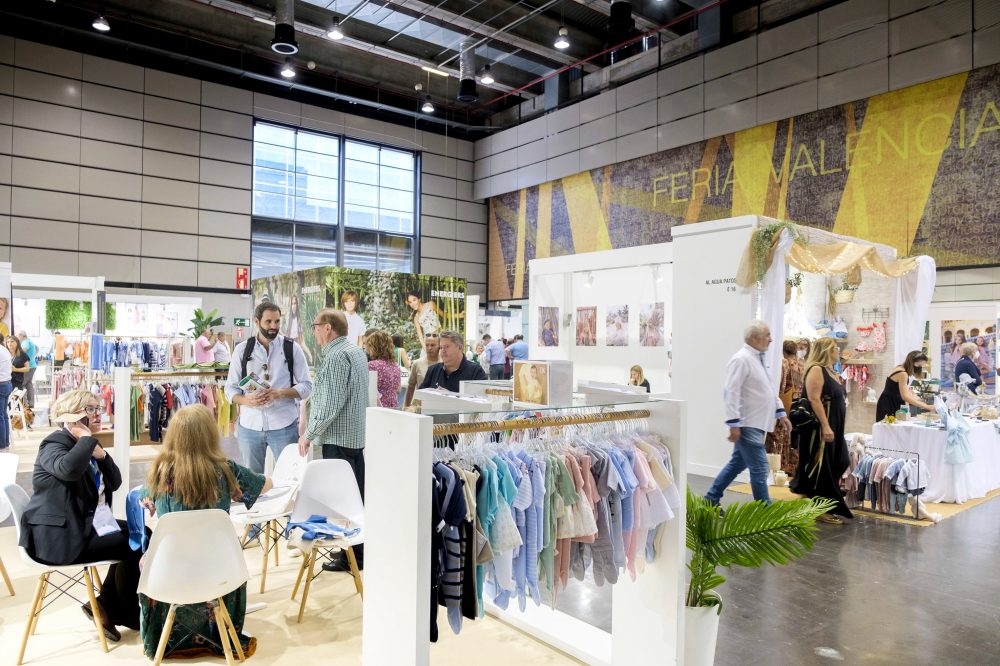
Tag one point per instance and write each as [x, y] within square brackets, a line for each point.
[557, 332]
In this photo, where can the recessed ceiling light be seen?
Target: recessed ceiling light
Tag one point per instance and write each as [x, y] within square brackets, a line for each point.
[487, 77]
[101, 23]
[335, 32]
[562, 41]
[287, 70]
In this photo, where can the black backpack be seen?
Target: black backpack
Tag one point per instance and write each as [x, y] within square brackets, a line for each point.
[288, 347]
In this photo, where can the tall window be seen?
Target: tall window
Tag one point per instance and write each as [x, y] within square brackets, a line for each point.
[306, 215]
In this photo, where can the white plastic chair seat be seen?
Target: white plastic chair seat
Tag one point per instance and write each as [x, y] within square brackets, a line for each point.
[312, 544]
[194, 556]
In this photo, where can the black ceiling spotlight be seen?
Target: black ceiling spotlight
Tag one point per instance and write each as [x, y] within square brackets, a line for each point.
[467, 73]
[284, 28]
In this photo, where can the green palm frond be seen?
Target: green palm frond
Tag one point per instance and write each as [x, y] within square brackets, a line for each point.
[749, 534]
[203, 320]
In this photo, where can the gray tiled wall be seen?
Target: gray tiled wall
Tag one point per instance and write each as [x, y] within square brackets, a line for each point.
[144, 176]
[849, 51]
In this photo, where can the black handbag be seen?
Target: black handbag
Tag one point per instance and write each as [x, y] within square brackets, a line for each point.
[801, 415]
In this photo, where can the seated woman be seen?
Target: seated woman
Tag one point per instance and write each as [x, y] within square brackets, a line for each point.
[637, 377]
[967, 365]
[191, 472]
[69, 520]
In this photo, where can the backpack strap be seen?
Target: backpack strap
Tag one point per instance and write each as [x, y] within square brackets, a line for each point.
[289, 349]
[247, 352]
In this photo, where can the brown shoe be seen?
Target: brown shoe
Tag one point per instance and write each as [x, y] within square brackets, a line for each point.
[110, 631]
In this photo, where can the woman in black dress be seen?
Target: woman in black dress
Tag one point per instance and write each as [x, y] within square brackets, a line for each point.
[897, 390]
[19, 361]
[823, 456]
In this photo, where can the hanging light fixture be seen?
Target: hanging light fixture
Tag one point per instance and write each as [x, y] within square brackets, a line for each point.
[287, 70]
[284, 28]
[101, 23]
[487, 76]
[427, 107]
[335, 32]
[562, 41]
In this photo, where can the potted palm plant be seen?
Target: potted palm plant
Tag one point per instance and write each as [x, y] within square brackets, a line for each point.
[747, 534]
[203, 320]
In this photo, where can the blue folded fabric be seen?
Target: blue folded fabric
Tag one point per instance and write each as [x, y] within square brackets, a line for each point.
[318, 527]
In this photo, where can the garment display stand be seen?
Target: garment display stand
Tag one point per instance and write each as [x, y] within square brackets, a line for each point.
[647, 614]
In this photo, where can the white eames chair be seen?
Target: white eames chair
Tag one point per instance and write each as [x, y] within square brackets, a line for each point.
[74, 574]
[195, 557]
[328, 489]
[269, 509]
[8, 475]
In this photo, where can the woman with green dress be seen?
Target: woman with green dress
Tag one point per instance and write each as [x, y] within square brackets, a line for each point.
[190, 473]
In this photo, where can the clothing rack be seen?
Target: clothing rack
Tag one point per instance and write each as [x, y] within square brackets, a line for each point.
[140, 376]
[506, 393]
[442, 429]
[915, 505]
[647, 614]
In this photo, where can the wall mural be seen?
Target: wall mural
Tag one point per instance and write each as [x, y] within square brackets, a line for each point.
[916, 169]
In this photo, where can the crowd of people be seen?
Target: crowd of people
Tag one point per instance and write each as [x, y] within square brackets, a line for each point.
[497, 357]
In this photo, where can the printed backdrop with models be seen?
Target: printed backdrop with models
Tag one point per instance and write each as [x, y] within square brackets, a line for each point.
[913, 168]
[397, 303]
[956, 333]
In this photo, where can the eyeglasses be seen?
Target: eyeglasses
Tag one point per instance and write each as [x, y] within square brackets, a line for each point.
[432, 335]
[93, 411]
[319, 323]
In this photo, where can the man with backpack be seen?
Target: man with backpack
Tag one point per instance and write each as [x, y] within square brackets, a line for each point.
[268, 377]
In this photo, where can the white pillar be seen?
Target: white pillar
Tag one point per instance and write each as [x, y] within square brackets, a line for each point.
[122, 432]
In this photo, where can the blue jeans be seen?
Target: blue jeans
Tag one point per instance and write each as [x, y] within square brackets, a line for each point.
[5, 390]
[496, 371]
[748, 452]
[254, 444]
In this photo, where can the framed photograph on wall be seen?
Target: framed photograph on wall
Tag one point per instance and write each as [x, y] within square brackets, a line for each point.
[548, 326]
[651, 325]
[617, 326]
[586, 327]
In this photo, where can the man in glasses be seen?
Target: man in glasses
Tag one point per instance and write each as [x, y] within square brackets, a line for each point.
[269, 411]
[337, 407]
[419, 367]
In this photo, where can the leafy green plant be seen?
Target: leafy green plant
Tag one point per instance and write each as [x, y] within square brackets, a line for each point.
[203, 320]
[75, 315]
[795, 280]
[747, 534]
[760, 245]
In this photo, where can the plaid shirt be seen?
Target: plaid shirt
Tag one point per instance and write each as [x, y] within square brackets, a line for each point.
[339, 397]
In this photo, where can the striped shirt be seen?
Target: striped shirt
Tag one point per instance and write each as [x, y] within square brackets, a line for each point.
[339, 397]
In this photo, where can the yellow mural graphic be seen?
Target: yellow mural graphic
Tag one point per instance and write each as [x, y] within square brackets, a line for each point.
[894, 159]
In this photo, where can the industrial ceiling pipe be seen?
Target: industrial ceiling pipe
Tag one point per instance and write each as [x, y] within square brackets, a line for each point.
[284, 28]
[467, 73]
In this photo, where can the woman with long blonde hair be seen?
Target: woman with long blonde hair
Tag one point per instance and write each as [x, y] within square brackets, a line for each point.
[191, 472]
[823, 455]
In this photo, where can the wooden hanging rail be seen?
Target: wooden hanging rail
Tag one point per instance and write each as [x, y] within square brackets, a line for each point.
[543, 422]
[499, 391]
[212, 374]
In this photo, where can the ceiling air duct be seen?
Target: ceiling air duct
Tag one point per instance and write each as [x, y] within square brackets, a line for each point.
[284, 28]
[621, 24]
[467, 73]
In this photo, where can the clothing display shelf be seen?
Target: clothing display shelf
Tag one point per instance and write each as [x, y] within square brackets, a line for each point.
[908, 455]
[647, 614]
[878, 313]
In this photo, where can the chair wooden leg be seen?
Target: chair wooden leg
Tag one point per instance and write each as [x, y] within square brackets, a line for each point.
[6, 578]
[96, 609]
[97, 579]
[31, 616]
[220, 623]
[302, 570]
[41, 603]
[246, 537]
[266, 533]
[161, 647]
[275, 537]
[232, 630]
[355, 571]
[305, 590]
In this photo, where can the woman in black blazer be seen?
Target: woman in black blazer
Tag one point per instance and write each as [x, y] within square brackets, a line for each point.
[72, 482]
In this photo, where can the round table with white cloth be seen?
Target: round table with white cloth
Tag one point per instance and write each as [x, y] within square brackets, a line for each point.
[947, 483]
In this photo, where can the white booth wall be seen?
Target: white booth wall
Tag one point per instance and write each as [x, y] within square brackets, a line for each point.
[634, 277]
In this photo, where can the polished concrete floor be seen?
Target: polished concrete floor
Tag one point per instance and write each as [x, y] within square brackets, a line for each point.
[870, 592]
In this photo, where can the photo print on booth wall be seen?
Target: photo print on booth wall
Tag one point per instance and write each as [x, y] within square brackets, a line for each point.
[548, 327]
[586, 327]
[651, 325]
[617, 323]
